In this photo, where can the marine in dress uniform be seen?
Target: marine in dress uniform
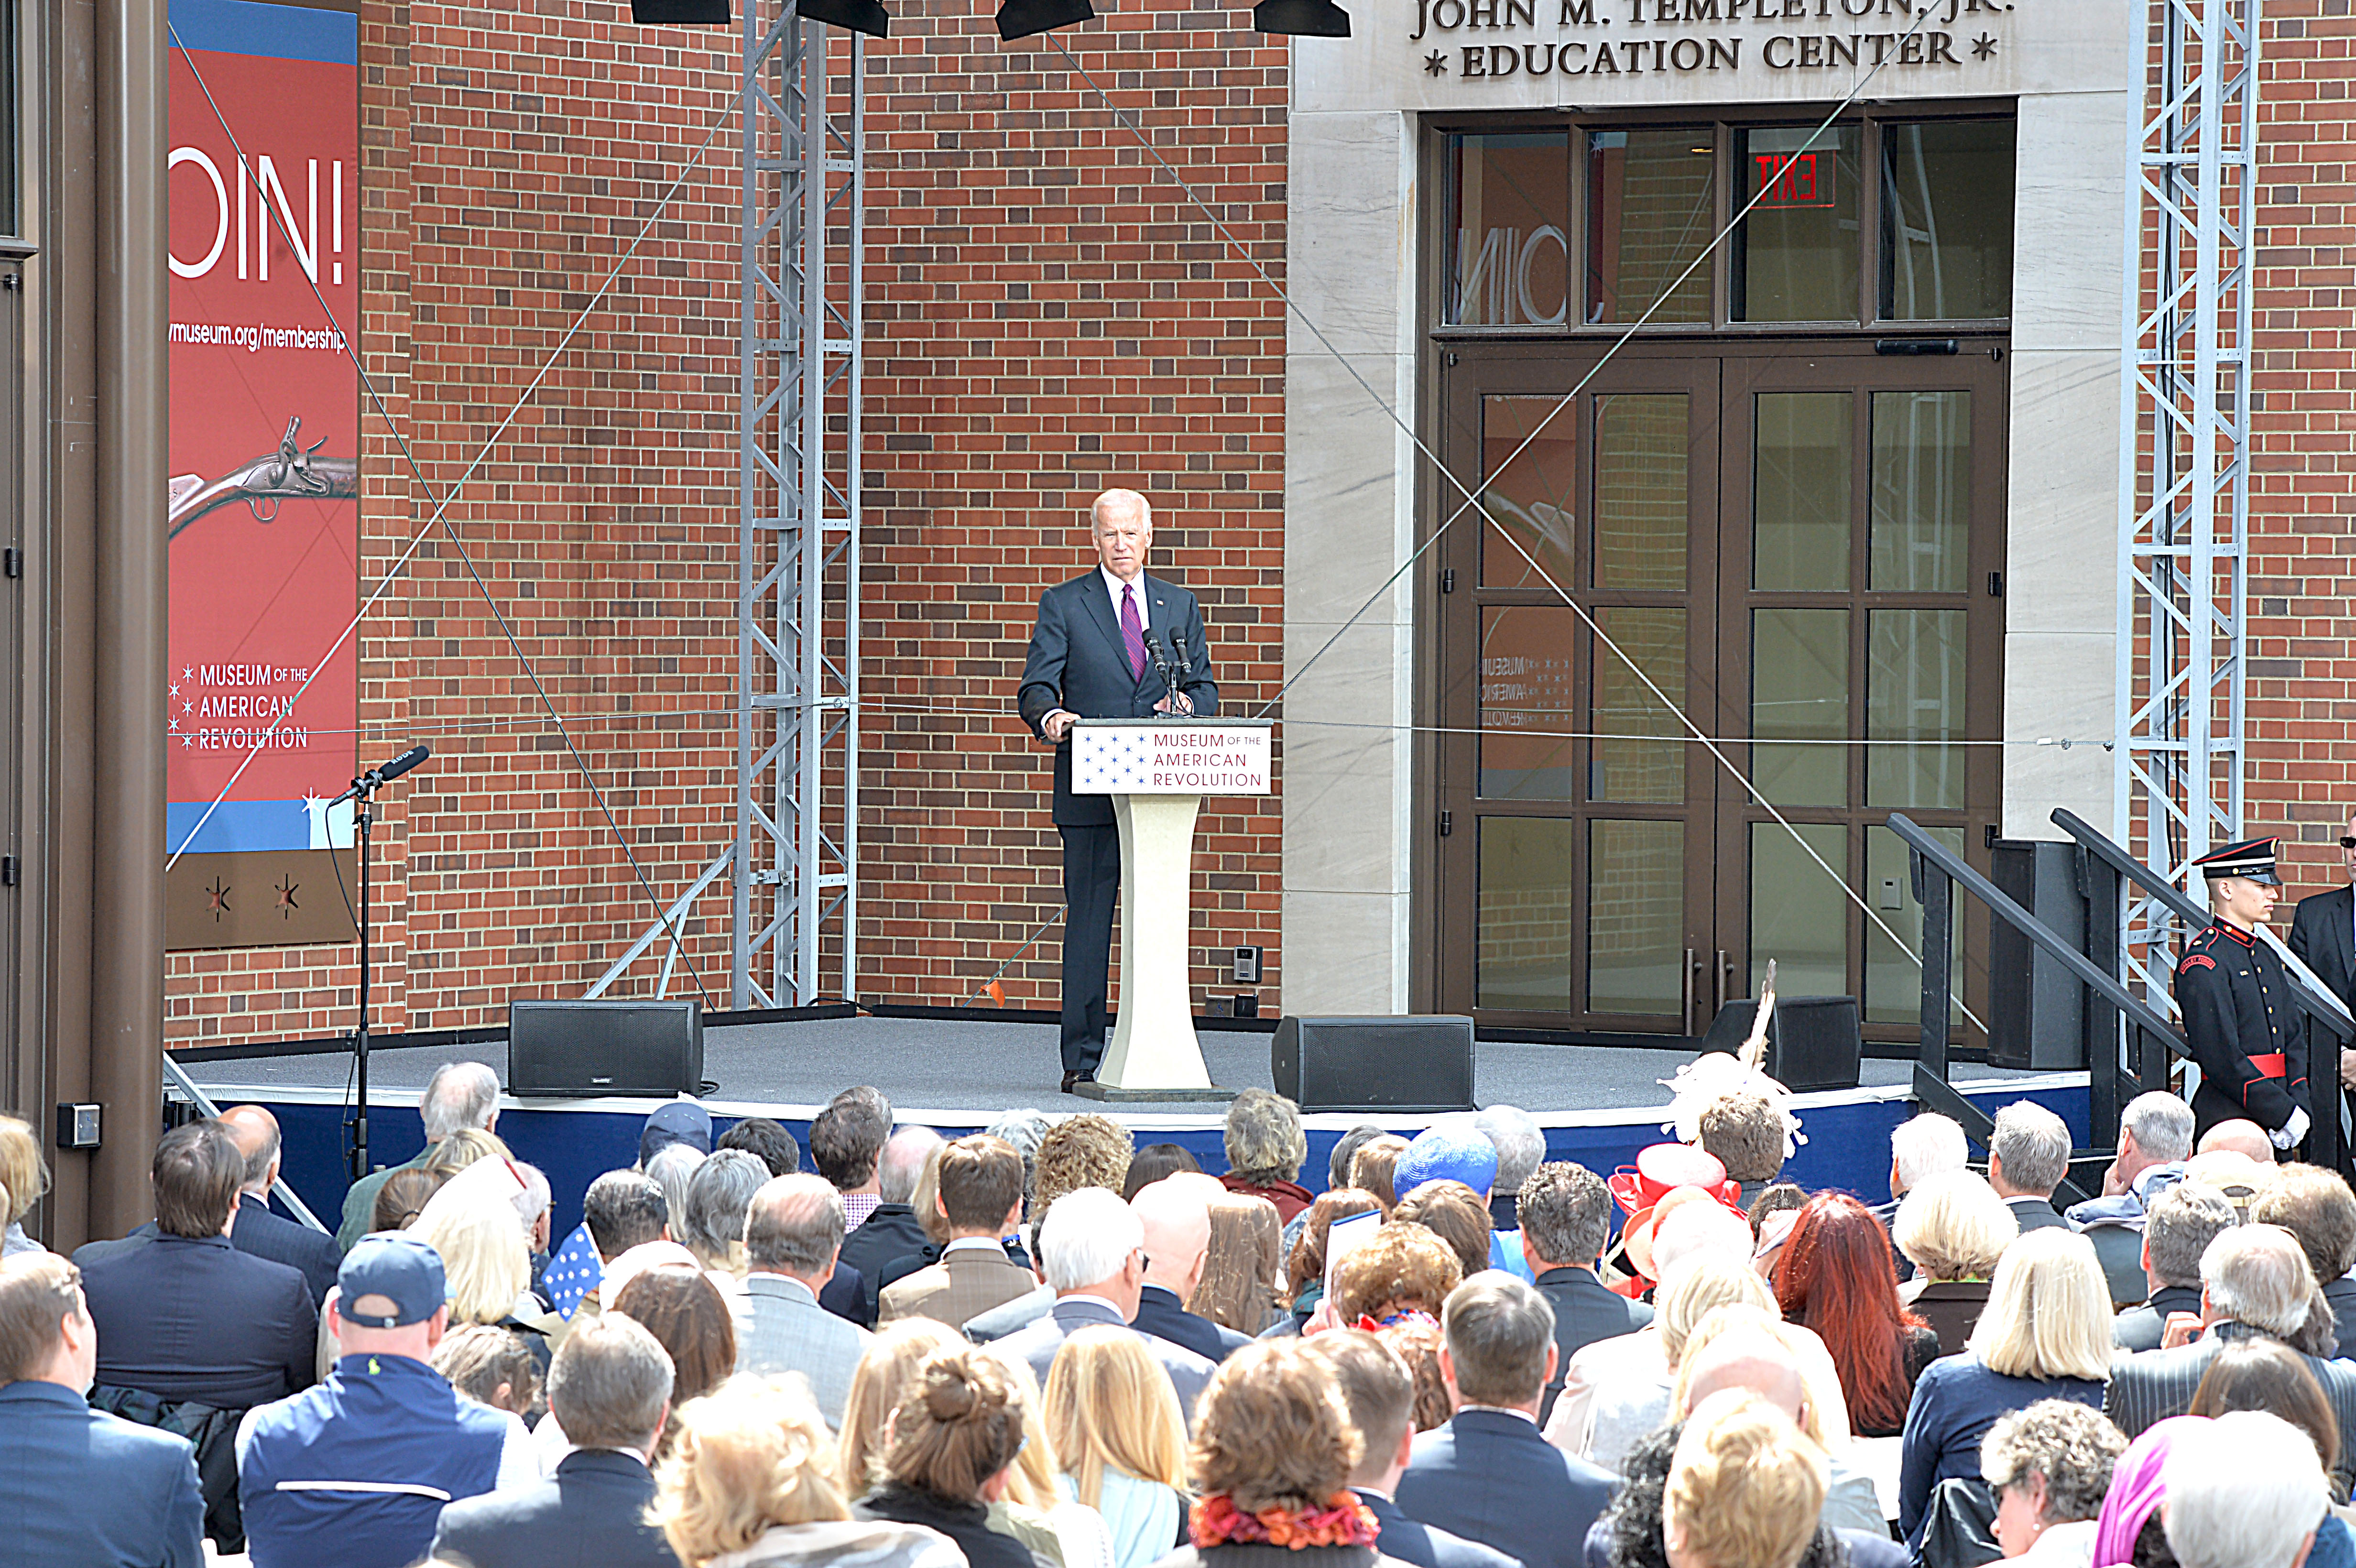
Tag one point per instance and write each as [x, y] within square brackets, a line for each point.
[2246, 1033]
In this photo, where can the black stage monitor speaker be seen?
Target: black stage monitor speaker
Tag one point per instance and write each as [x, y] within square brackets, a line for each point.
[1813, 1043]
[1384, 1063]
[579, 1049]
[2037, 1010]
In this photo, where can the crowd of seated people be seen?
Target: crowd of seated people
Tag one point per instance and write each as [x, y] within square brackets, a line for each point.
[1039, 1346]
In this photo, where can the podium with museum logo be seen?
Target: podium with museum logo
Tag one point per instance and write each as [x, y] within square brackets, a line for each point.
[1157, 771]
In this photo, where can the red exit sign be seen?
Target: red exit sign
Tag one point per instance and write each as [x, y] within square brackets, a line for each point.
[1794, 179]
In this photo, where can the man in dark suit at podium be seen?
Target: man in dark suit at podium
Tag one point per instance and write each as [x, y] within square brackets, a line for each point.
[1099, 651]
[2323, 935]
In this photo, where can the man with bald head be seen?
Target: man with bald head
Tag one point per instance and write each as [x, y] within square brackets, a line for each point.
[1109, 644]
[793, 1234]
[2238, 1137]
[1177, 1223]
[1759, 1356]
[253, 1228]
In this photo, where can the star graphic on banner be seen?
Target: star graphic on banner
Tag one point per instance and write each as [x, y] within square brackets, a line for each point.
[285, 891]
[176, 689]
[1984, 46]
[218, 893]
[1435, 64]
[175, 727]
[186, 707]
[188, 741]
[188, 674]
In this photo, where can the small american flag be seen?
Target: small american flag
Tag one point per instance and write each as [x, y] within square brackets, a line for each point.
[572, 1273]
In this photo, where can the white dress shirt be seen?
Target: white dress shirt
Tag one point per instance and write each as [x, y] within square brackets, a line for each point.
[1113, 586]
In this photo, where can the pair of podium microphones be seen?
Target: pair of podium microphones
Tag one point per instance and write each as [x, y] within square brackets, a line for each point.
[1175, 669]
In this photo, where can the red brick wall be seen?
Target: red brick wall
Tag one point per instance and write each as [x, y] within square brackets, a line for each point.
[1050, 317]
[2302, 681]
[1047, 316]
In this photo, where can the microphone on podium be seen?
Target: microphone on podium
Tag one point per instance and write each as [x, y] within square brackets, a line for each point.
[1185, 669]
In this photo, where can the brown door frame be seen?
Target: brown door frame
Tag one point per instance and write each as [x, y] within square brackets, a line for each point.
[1717, 689]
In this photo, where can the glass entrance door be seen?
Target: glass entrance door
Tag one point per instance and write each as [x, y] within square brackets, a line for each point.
[1794, 553]
[1576, 865]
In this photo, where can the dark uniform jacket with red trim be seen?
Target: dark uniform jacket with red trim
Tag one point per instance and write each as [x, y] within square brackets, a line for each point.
[2245, 1032]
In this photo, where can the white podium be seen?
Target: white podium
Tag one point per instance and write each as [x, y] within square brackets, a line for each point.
[1157, 771]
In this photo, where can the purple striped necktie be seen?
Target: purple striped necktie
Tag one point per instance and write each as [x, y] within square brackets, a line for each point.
[1133, 630]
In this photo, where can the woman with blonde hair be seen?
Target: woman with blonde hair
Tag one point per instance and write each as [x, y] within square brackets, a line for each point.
[1744, 1486]
[2046, 1334]
[26, 1178]
[485, 1257]
[461, 1149]
[1114, 1424]
[1631, 1393]
[1953, 1228]
[1852, 1501]
[751, 1476]
[952, 1440]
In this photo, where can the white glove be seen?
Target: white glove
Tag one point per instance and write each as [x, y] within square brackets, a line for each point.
[2292, 1130]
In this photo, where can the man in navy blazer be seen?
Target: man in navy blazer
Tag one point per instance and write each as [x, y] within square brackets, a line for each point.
[258, 1231]
[1487, 1475]
[77, 1484]
[183, 1315]
[1098, 651]
[1566, 1214]
[609, 1388]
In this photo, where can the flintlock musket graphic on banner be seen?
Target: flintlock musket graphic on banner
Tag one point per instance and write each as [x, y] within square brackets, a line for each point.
[291, 472]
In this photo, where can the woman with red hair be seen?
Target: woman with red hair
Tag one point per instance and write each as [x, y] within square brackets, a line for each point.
[1837, 1278]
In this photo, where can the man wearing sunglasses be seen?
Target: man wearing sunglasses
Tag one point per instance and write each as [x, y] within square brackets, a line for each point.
[2323, 935]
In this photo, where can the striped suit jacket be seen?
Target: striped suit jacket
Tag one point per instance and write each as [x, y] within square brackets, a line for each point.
[2150, 1386]
[784, 1329]
[965, 1283]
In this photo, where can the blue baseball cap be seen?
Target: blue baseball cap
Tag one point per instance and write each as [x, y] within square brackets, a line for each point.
[398, 1268]
[1448, 1152]
[681, 1121]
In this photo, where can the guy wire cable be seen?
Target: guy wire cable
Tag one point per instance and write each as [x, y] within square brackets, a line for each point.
[441, 507]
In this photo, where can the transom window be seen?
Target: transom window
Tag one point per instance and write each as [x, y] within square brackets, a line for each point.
[1867, 222]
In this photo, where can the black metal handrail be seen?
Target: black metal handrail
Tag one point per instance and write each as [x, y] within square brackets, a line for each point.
[1936, 869]
[2324, 1141]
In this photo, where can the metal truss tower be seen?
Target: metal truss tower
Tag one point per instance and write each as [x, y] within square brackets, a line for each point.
[2184, 451]
[789, 865]
[799, 503]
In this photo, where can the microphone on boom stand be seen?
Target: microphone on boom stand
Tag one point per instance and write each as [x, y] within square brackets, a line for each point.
[363, 789]
[377, 777]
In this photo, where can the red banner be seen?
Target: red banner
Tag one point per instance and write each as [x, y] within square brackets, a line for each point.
[262, 512]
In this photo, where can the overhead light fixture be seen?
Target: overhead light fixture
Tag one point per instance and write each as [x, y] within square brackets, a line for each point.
[1028, 19]
[680, 13]
[854, 16]
[1301, 18]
